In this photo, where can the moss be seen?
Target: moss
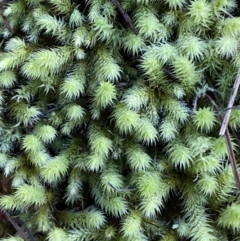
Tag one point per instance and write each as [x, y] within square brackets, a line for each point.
[109, 121]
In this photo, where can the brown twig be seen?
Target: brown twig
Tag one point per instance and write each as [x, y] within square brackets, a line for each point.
[85, 8]
[125, 15]
[229, 147]
[232, 158]
[149, 222]
[230, 105]
[236, 107]
[5, 19]
[26, 235]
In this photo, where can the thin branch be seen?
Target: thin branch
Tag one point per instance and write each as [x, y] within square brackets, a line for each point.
[236, 107]
[125, 15]
[149, 222]
[195, 103]
[85, 8]
[232, 158]
[25, 235]
[46, 113]
[5, 19]
[121, 190]
[230, 105]
[229, 147]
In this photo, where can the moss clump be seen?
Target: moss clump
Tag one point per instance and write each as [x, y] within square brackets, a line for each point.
[109, 124]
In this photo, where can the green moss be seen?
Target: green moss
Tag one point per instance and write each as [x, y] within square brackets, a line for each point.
[109, 123]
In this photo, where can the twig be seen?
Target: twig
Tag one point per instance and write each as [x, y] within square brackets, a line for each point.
[232, 158]
[125, 15]
[195, 103]
[149, 222]
[47, 112]
[25, 235]
[236, 107]
[121, 190]
[230, 105]
[229, 147]
[5, 19]
[85, 8]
